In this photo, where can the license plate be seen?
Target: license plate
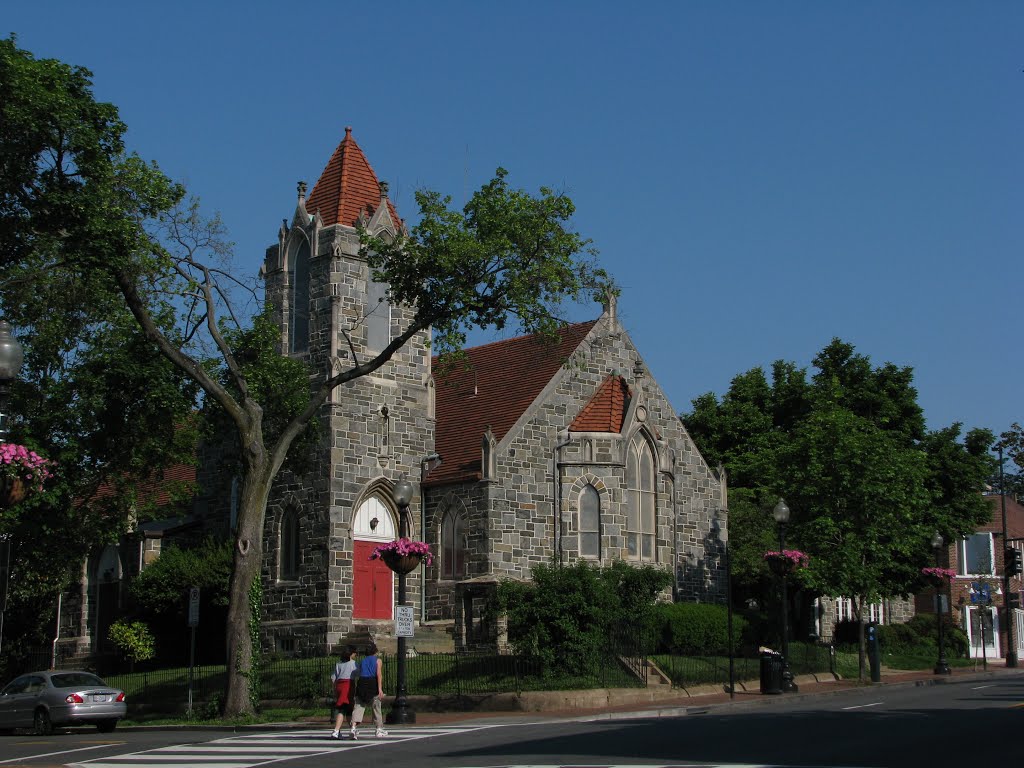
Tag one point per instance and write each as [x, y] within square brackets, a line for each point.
[99, 698]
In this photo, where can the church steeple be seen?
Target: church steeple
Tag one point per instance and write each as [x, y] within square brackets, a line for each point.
[348, 188]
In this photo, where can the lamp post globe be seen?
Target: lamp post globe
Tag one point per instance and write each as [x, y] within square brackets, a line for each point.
[941, 666]
[400, 714]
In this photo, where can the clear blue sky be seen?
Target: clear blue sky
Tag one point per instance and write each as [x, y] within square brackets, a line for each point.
[759, 177]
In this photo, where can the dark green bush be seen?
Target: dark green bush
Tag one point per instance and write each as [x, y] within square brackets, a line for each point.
[918, 634]
[566, 617]
[697, 629]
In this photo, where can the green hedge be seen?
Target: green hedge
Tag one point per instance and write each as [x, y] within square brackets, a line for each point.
[698, 629]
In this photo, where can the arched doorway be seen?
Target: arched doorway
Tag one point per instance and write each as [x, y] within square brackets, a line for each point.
[372, 581]
[106, 595]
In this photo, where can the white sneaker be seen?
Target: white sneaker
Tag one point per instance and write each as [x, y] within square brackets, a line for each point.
[381, 733]
[352, 734]
[334, 734]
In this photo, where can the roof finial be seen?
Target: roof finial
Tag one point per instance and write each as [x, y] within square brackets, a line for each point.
[383, 190]
[348, 131]
[609, 302]
[301, 186]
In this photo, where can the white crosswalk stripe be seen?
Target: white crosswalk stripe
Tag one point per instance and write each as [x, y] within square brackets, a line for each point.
[261, 748]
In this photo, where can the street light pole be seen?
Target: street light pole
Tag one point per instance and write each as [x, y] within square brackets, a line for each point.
[11, 357]
[941, 666]
[781, 515]
[400, 713]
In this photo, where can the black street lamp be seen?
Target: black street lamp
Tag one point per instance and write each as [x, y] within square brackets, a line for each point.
[941, 666]
[400, 713]
[11, 357]
[781, 515]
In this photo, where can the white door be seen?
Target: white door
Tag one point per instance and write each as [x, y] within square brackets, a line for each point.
[975, 615]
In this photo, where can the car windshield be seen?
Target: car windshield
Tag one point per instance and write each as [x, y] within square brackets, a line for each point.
[74, 680]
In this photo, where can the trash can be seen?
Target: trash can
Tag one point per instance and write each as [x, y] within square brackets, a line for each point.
[771, 672]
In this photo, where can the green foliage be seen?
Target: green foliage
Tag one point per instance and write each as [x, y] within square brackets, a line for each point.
[868, 486]
[93, 395]
[254, 672]
[134, 639]
[698, 629]
[508, 253]
[564, 617]
[162, 587]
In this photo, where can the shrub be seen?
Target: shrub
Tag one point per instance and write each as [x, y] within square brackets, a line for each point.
[134, 639]
[565, 617]
[698, 629]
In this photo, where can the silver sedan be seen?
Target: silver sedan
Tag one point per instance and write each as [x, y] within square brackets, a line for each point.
[41, 700]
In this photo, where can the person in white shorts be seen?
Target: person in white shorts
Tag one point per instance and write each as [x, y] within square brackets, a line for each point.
[369, 692]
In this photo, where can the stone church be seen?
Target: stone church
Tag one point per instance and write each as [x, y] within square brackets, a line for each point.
[529, 453]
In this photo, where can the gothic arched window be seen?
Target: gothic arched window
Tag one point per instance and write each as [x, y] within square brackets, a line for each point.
[590, 522]
[453, 546]
[378, 315]
[288, 547]
[299, 341]
[640, 514]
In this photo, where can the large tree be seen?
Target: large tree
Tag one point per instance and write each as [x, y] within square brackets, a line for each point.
[508, 256]
[94, 395]
[847, 447]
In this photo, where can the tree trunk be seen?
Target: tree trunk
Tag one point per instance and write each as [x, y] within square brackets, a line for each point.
[248, 561]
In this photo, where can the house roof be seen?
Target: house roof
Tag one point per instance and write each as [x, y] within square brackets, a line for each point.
[347, 187]
[493, 388]
[606, 411]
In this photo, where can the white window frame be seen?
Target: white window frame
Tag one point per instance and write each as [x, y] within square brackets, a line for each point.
[594, 531]
[961, 555]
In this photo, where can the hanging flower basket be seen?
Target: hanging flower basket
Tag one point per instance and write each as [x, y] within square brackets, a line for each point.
[786, 561]
[21, 471]
[938, 577]
[403, 555]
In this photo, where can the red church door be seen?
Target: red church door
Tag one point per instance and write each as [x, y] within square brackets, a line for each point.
[372, 590]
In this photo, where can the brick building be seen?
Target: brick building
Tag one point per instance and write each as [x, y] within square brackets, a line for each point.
[977, 592]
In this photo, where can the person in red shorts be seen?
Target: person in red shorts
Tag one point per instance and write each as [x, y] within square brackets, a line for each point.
[344, 671]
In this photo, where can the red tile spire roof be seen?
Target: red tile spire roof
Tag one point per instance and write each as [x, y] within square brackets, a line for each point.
[606, 410]
[495, 386]
[347, 187]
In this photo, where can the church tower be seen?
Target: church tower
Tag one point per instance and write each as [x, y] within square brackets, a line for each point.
[319, 584]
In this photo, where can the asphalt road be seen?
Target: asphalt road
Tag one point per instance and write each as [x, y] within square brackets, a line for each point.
[963, 721]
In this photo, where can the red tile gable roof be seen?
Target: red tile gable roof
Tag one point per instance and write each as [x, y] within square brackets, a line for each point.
[347, 187]
[606, 411]
[494, 387]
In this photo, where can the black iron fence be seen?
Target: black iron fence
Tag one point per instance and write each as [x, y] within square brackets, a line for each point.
[306, 681]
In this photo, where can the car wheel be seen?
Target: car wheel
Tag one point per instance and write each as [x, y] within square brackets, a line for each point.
[106, 726]
[41, 725]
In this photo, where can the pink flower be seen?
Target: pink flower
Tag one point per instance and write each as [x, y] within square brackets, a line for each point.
[939, 573]
[796, 558]
[404, 548]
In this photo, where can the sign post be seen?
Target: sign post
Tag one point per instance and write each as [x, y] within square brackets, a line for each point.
[404, 615]
[193, 622]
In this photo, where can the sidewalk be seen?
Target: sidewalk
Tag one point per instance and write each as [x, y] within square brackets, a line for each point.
[553, 705]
